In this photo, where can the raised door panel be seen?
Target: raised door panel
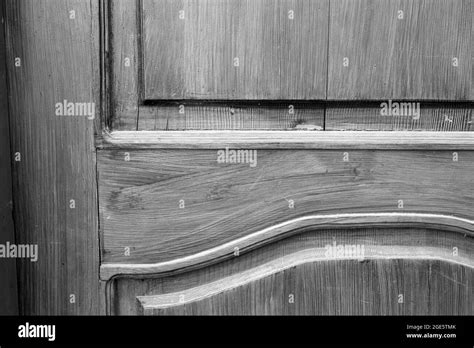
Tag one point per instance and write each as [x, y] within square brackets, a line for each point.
[369, 271]
[235, 49]
[167, 204]
[404, 49]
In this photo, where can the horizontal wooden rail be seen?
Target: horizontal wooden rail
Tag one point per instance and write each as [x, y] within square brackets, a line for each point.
[398, 140]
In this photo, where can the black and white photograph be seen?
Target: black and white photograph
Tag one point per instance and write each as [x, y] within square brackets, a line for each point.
[191, 171]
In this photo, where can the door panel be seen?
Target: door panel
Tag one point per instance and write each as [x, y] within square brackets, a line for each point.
[239, 238]
[172, 64]
[235, 49]
[166, 204]
[393, 271]
[406, 49]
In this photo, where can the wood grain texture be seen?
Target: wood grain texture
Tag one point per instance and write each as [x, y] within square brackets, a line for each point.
[315, 222]
[370, 289]
[8, 276]
[409, 58]
[349, 140]
[59, 60]
[261, 281]
[229, 116]
[193, 58]
[449, 118]
[139, 199]
[123, 46]
[439, 117]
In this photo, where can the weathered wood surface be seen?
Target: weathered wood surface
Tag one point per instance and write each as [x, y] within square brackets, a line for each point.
[294, 276]
[8, 280]
[287, 228]
[59, 60]
[194, 57]
[439, 117]
[173, 58]
[140, 198]
[409, 58]
[411, 116]
[229, 116]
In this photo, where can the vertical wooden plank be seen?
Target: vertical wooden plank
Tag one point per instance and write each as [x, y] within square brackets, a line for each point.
[235, 49]
[8, 280]
[54, 183]
[403, 49]
[123, 41]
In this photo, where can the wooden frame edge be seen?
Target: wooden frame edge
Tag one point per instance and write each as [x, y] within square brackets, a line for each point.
[324, 140]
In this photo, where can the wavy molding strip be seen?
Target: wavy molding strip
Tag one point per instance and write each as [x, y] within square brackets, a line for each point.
[373, 252]
[282, 230]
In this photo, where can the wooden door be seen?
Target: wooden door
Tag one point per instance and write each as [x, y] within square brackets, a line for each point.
[189, 227]
[243, 197]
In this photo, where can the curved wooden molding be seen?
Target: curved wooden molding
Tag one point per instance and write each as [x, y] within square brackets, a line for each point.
[267, 235]
[397, 140]
[208, 290]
